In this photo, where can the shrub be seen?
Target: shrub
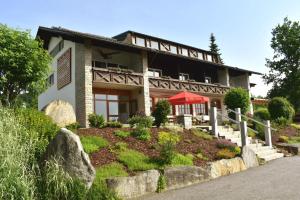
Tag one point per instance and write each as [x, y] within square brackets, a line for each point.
[294, 139]
[73, 127]
[296, 126]
[236, 150]
[201, 134]
[114, 124]
[200, 154]
[281, 121]
[92, 144]
[181, 160]
[251, 133]
[167, 137]
[280, 107]
[57, 184]
[96, 121]
[262, 114]
[141, 133]
[136, 161]
[222, 143]
[237, 98]
[283, 139]
[122, 134]
[121, 146]
[40, 126]
[161, 183]
[140, 121]
[162, 109]
[225, 154]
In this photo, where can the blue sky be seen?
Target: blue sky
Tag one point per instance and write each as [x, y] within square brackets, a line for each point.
[242, 28]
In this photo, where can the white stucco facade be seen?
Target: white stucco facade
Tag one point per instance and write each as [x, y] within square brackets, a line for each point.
[67, 93]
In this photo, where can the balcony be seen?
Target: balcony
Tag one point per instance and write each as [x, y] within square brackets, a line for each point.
[192, 86]
[125, 77]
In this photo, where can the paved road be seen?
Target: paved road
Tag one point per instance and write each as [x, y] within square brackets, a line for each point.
[279, 179]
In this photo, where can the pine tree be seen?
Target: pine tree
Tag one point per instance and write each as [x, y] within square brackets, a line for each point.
[214, 47]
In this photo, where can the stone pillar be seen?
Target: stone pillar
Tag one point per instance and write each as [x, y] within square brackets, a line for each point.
[214, 121]
[238, 117]
[244, 133]
[146, 84]
[268, 138]
[88, 82]
[185, 120]
[223, 77]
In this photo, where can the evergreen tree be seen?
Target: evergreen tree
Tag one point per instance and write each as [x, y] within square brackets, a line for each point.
[214, 47]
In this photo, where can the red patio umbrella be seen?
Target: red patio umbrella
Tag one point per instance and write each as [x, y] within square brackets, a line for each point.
[187, 98]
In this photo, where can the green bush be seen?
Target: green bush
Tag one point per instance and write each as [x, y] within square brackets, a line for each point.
[136, 161]
[296, 126]
[294, 139]
[73, 127]
[92, 144]
[262, 114]
[141, 133]
[182, 160]
[201, 134]
[121, 146]
[96, 121]
[280, 107]
[40, 126]
[114, 124]
[122, 134]
[162, 110]
[237, 98]
[283, 138]
[140, 121]
[281, 122]
[251, 133]
[167, 137]
[168, 143]
[161, 183]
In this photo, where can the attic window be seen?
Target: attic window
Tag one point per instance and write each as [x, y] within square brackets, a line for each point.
[209, 57]
[164, 47]
[193, 53]
[140, 41]
[57, 48]
[154, 44]
[200, 55]
[184, 52]
[173, 49]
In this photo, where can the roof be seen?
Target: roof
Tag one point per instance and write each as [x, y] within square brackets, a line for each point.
[46, 33]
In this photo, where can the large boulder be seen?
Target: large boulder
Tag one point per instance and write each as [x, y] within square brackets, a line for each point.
[226, 166]
[61, 112]
[67, 149]
[249, 157]
[182, 176]
[134, 186]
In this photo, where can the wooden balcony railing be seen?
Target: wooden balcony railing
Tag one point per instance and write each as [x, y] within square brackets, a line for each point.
[173, 84]
[118, 77]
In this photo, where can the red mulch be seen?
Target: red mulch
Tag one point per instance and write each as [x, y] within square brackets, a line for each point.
[189, 143]
[286, 131]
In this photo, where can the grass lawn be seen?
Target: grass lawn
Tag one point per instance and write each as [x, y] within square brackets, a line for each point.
[201, 134]
[93, 143]
[136, 161]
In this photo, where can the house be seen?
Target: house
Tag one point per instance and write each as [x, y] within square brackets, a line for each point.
[128, 73]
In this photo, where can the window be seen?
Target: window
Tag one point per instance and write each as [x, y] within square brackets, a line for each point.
[148, 43]
[164, 46]
[154, 72]
[209, 57]
[98, 64]
[183, 77]
[57, 48]
[184, 109]
[200, 109]
[173, 49]
[193, 53]
[207, 79]
[140, 41]
[154, 44]
[50, 80]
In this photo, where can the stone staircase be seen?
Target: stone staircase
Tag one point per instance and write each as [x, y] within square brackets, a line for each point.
[264, 153]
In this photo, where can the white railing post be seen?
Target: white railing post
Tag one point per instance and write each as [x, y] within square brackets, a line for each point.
[238, 117]
[244, 133]
[214, 120]
[268, 138]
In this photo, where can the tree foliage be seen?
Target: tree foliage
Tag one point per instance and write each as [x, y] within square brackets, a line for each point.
[280, 107]
[24, 64]
[284, 67]
[237, 98]
[162, 109]
[214, 47]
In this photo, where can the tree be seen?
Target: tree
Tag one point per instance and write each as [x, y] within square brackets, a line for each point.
[214, 47]
[162, 109]
[24, 65]
[284, 67]
[237, 98]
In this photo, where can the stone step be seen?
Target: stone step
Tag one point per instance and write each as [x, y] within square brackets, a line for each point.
[266, 152]
[255, 145]
[273, 156]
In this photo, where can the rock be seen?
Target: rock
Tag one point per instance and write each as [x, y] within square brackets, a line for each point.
[66, 146]
[61, 112]
[177, 177]
[134, 186]
[225, 167]
[291, 148]
[249, 157]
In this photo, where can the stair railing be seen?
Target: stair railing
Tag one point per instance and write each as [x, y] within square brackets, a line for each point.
[266, 125]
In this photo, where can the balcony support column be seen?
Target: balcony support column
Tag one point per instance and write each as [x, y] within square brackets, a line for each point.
[146, 84]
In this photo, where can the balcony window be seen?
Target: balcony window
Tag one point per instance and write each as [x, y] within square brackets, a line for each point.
[207, 79]
[200, 55]
[140, 41]
[154, 44]
[154, 72]
[209, 57]
[173, 49]
[183, 77]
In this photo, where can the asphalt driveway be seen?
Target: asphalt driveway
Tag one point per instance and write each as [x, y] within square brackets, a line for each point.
[278, 179]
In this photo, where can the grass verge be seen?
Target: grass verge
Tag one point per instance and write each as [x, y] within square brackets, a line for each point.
[92, 144]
